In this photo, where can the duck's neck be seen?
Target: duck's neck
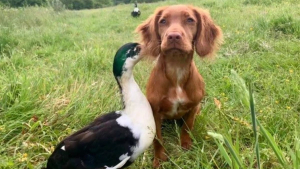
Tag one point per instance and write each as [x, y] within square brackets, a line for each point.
[133, 98]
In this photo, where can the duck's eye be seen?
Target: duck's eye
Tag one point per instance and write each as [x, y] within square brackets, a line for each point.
[190, 20]
[163, 21]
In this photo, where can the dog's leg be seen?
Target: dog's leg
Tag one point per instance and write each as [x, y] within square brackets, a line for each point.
[188, 125]
[159, 151]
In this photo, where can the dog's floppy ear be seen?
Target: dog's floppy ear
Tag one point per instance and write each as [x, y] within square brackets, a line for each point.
[150, 38]
[209, 36]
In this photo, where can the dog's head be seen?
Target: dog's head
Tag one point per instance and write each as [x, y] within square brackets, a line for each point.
[179, 28]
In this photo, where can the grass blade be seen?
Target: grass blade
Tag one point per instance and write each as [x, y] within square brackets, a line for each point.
[219, 139]
[272, 143]
[240, 88]
[233, 152]
[253, 117]
[295, 154]
[223, 152]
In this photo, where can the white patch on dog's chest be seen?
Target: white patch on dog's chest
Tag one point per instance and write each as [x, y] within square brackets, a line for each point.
[177, 101]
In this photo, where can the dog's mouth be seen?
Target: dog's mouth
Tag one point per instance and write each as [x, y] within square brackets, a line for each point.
[176, 48]
[175, 52]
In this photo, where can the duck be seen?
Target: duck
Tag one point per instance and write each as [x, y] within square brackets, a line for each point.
[136, 11]
[115, 139]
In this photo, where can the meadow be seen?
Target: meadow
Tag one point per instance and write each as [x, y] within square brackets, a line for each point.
[56, 76]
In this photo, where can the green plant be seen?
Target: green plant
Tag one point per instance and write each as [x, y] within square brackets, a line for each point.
[286, 25]
[57, 5]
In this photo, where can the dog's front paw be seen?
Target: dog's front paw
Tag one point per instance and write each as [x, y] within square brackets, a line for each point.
[156, 163]
[186, 143]
[157, 160]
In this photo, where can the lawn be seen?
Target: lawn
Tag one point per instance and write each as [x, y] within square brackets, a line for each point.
[56, 76]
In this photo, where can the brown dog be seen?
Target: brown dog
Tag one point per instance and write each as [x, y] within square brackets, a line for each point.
[175, 88]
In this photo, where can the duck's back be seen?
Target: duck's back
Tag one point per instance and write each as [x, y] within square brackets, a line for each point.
[103, 143]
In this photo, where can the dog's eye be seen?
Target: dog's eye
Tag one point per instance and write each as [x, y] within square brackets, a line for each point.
[163, 21]
[190, 20]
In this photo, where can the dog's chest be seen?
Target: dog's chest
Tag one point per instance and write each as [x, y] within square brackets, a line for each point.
[178, 100]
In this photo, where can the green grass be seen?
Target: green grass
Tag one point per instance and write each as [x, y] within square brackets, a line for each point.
[56, 76]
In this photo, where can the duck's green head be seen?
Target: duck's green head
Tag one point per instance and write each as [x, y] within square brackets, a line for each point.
[126, 57]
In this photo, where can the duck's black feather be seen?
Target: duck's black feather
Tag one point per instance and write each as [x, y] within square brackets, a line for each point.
[90, 148]
[135, 14]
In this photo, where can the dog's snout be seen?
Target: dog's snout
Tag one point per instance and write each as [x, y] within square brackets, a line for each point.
[174, 36]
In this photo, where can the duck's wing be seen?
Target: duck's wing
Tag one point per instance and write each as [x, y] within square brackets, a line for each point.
[99, 145]
[107, 117]
[121, 164]
[101, 119]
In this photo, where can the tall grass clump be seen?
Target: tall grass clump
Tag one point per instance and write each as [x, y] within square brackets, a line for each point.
[230, 152]
[56, 5]
[261, 2]
[286, 24]
[7, 42]
[279, 25]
